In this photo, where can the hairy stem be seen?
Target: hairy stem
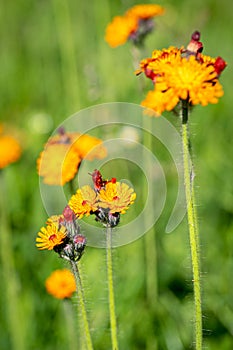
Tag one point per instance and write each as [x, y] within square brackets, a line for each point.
[113, 322]
[193, 226]
[82, 306]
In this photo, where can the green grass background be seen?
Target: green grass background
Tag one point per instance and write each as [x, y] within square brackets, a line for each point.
[54, 62]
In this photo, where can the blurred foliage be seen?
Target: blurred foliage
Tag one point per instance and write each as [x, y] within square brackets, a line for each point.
[54, 62]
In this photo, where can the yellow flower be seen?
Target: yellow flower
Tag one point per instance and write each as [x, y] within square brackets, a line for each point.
[116, 197]
[50, 236]
[130, 25]
[83, 201]
[180, 78]
[145, 11]
[61, 158]
[10, 150]
[119, 30]
[61, 284]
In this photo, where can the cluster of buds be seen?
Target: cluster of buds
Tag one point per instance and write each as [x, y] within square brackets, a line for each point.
[74, 243]
[62, 234]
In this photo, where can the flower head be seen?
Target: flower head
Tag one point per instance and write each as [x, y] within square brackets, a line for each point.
[83, 202]
[182, 74]
[117, 197]
[61, 284]
[10, 150]
[50, 236]
[59, 162]
[134, 25]
[62, 235]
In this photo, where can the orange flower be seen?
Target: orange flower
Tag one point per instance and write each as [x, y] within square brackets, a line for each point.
[83, 202]
[116, 197]
[135, 24]
[50, 236]
[61, 284]
[61, 158]
[181, 74]
[10, 150]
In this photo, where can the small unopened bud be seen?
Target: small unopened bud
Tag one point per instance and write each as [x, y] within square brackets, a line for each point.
[113, 219]
[79, 242]
[196, 36]
[68, 214]
[219, 65]
[97, 179]
[68, 251]
[101, 215]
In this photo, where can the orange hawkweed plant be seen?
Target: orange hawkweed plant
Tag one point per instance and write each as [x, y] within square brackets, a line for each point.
[182, 78]
[106, 201]
[62, 235]
[182, 74]
[133, 26]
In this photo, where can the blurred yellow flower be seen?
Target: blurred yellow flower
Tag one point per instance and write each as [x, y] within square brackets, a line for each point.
[58, 163]
[116, 197]
[135, 24]
[10, 150]
[83, 202]
[61, 284]
[50, 236]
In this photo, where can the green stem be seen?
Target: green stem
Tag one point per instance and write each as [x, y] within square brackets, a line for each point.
[82, 306]
[113, 322]
[193, 226]
[10, 282]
